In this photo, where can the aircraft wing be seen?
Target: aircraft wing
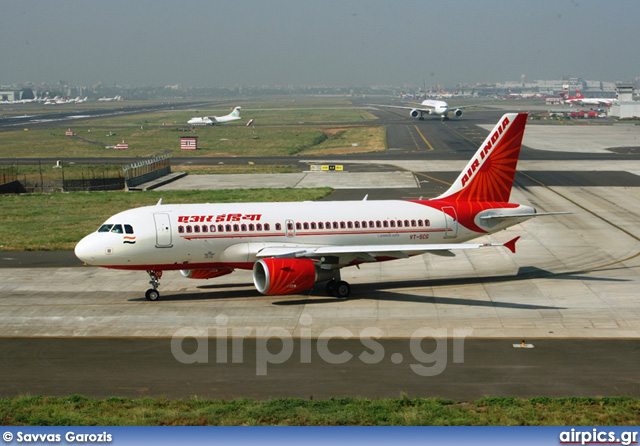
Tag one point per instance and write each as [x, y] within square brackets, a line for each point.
[401, 107]
[369, 253]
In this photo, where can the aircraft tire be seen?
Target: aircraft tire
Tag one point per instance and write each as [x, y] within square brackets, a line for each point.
[342, 290]
[152, 295]
[330, 287]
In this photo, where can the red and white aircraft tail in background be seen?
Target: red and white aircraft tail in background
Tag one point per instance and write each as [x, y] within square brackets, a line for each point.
[292, 246]
[579, 99]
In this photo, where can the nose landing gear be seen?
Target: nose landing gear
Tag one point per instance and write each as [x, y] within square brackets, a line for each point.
[153, 294]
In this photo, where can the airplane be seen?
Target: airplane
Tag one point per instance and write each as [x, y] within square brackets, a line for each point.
[430, 107]
[212, 120]
[113, 99]
[579, 99]
[292, 246]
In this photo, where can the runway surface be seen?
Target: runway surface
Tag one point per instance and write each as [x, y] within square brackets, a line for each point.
[304, 368]
[570, 290]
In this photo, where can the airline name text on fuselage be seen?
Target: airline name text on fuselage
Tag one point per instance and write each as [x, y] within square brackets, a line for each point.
[218, 218]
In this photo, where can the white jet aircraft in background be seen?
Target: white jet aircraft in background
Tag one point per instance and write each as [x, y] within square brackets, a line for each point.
[430, 107]
[579, 99]
[212, 120]
[291, 246]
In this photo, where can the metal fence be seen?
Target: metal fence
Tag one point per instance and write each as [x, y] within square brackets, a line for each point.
[147, 170]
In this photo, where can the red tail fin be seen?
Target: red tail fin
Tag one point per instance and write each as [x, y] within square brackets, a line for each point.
[489, 174]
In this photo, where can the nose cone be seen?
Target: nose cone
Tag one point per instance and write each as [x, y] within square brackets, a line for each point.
[85, 250]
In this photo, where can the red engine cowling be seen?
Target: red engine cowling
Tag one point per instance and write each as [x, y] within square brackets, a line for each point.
[275, 276]
[205, 273]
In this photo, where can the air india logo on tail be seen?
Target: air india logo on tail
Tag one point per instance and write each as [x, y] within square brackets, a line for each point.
[482, 154]
[488, 177]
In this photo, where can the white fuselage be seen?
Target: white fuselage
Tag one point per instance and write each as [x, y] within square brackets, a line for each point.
[171, 237]
[438, 107]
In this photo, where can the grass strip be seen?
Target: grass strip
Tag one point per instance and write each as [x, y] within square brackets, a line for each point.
[83, 411]
[54, 222]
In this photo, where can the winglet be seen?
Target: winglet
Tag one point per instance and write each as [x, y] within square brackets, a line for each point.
[511, 244]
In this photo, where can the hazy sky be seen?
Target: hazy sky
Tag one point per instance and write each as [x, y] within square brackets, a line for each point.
[303, 42]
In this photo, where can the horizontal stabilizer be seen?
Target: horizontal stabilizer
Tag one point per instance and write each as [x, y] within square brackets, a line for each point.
[535, 214]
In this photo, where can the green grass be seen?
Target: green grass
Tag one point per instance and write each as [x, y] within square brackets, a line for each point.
[81, 411]
[58, 221]
[277, 133]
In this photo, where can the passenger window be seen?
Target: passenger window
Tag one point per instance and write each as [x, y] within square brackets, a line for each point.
[320, 225]
[212, 228]
[266, 226]
[306, 225]
[105, 228]
[399, 223]
[419, 222]
[128, 229]
[392, 223]
[356, 224]
[181, 229]
[378, 224]
[385, 224]
[236, 228]
[204, 228]
[335, 225]
[189, 229]
[298, 226]
[413, 223]
[342, 225]
[364, 224]
[117, 229]
[349, 225]
[259, 227]
[220, 228]
[406, 223]
[196, 228]
[313, 225]
[251, 227]
[227, 228]
[426, 223]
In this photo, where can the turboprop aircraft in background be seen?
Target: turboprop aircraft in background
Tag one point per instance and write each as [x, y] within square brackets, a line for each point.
[430, 107]
[212, 120]
[292, 246]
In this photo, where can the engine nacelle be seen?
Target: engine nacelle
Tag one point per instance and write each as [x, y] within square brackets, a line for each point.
[205, 273]
[276, 276]
[457, 112]
[415, 113]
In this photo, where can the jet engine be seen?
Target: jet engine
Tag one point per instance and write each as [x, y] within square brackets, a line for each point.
[276, 276]
[457, 112]
[205, 273]
[415, 113]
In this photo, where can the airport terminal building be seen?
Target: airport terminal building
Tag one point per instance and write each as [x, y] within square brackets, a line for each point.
[626, 107]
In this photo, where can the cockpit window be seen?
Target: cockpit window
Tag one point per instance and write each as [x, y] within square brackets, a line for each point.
[117, 229]
[128, 229]
[105, 228]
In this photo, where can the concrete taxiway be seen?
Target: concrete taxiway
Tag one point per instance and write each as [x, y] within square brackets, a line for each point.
[570, 290]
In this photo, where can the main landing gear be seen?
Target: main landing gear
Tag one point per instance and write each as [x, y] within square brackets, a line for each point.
[339, 289]
[153, 294]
